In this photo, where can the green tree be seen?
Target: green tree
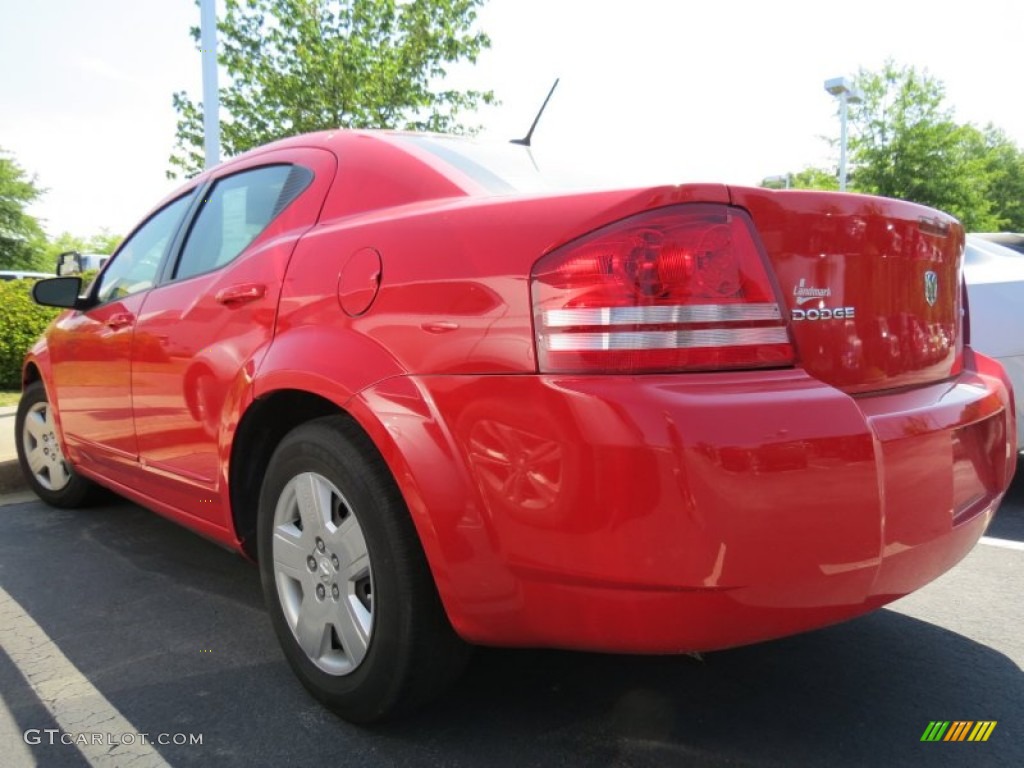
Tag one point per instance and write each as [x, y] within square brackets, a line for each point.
[815, 178]
[21, 237]
[1004, 163]
[101, 242]
[307, 65]
[905, 144]
[809, 178]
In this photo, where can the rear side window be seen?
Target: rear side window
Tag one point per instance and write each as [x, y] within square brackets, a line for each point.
[235, 211]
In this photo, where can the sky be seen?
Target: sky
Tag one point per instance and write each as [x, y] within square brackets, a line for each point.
[657, 90]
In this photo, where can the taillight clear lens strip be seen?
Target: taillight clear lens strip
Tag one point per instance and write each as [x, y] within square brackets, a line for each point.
[661, 315]
[639, 340]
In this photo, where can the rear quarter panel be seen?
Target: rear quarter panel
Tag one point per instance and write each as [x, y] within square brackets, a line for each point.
[454, 294]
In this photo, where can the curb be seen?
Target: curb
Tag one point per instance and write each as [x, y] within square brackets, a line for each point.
[11, 479]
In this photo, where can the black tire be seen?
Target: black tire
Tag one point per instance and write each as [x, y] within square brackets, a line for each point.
[34, 413]
[410, 651]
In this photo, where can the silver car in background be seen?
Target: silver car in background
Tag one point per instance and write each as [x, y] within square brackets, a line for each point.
[995, 289]
[1013, 240]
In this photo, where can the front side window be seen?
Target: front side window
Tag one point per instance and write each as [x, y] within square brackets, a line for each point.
[135, 267]
[234, 213]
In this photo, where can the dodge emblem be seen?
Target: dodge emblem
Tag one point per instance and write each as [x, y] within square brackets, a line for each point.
[931, 288]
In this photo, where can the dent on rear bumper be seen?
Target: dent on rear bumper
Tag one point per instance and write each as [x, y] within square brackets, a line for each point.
[667, 513]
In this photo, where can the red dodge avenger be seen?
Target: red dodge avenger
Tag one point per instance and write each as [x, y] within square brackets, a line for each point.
[443, 403]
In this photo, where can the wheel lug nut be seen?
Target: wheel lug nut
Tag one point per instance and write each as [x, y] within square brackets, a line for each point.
[334, 562]
[320, 591]
[311, 563]
[335, 591]
[320, 545]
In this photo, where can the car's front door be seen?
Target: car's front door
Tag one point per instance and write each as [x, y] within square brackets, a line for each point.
[203, 330]
[90, 350]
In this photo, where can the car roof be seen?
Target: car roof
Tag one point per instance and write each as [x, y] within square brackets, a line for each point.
[988, 248]
[338, 141]
[1014, 240]
[988, 262]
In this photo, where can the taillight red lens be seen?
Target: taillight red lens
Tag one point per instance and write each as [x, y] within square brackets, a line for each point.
[677, 288]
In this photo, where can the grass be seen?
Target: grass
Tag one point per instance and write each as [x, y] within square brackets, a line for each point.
[9, 397]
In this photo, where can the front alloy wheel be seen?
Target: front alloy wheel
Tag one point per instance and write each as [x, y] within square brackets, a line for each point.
[42, 460]
[42, 449]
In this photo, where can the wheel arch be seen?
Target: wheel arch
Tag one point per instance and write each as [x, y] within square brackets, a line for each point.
[36, 369]
[398, 420]
[30, 374]
[270, 417]
[296, 383]
[261, 429]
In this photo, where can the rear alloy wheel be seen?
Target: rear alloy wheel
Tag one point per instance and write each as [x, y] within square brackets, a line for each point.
[322, 573]
[345, 579]
[42, 460]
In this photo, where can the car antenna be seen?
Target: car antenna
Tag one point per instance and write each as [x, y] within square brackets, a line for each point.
[525, 141]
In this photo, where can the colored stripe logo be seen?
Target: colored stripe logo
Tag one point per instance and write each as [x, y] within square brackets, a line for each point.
[959, 730]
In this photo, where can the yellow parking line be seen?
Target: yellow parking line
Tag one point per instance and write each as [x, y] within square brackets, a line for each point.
[74, 702]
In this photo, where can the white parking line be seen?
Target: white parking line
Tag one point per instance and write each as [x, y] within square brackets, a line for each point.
[1004, 543]
[71, 699]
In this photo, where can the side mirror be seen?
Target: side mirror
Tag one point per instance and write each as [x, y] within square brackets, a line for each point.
[58, 292]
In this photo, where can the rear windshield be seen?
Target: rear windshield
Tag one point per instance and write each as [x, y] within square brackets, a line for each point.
[500, 168]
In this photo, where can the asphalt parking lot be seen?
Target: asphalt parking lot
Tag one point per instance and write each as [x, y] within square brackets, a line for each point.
[136, 625]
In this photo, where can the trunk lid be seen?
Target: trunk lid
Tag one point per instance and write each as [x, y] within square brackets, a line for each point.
[871, 285]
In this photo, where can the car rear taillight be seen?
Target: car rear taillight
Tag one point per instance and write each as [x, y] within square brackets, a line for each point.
[677, 288]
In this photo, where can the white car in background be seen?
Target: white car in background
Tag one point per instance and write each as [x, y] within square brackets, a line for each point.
[20, 274]
[1013, 240]
[995, 289]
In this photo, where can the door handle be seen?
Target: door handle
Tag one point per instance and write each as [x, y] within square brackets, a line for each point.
[120, 320]
[240, 294]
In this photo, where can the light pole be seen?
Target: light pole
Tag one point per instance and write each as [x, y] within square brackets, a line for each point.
[211, 96]
[843, 88]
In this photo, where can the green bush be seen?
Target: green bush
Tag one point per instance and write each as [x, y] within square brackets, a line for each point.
[87, 277]
[21, 322]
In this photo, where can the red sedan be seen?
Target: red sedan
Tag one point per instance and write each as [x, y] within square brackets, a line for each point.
[441, 404]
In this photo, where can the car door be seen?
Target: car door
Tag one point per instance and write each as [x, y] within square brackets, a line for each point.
[90, 350]
[202, 331]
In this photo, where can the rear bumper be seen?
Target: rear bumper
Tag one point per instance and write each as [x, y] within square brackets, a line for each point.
[672, 513]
